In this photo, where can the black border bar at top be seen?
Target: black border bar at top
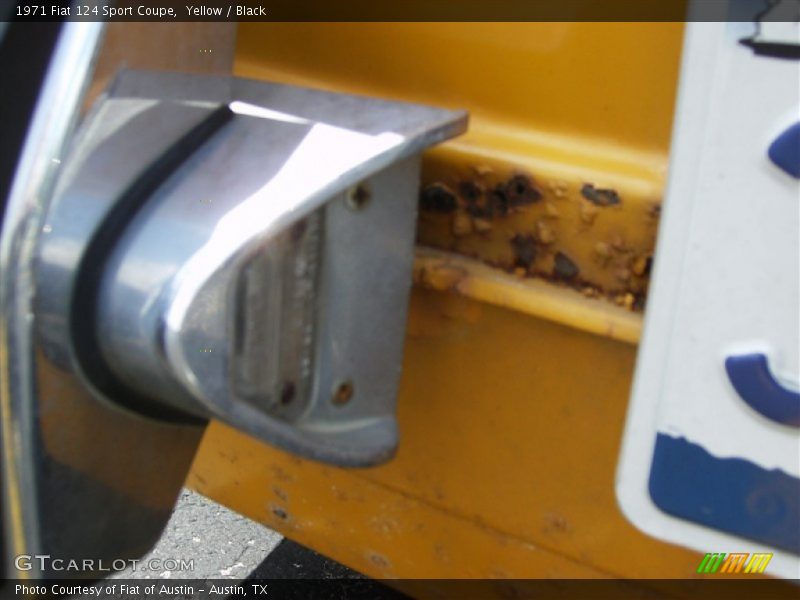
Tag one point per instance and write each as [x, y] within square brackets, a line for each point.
[404, 10]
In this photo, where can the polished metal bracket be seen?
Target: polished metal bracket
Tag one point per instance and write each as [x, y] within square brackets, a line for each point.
[203, 248]
[233, 249]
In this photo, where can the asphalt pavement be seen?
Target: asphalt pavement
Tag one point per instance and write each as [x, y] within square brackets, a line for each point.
[221, 544]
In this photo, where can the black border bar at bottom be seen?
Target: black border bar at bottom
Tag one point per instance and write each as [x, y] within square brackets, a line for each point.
[358, 588]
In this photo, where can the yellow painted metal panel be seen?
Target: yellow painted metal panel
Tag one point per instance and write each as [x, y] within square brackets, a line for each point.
[514, 391]
[611, 81]
[510, 428]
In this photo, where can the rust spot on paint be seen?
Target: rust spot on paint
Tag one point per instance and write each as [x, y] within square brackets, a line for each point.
[279, 512]
[600, 196]
[545, 216]
[564, 267]
[524, 247]
[470, 191]
[497, 201]
[480, 211]
[520, 190]
[437, 197]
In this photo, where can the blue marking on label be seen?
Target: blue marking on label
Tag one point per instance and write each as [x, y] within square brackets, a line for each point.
[729, 494]
[755, 384]
[785, 150]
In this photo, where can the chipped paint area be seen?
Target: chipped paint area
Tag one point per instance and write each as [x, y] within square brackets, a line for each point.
[586, 235]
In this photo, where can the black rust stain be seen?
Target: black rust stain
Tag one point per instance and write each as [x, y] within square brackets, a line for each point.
[524, 247]
[600, 196]
[519, 191]
[479, 211]
[565, 268]
[470, 191]
[481, 202]
[497, 201]
[478, 204]
[437, 197]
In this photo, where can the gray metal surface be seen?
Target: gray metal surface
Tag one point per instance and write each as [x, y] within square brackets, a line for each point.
[235, 279]
[215, 247]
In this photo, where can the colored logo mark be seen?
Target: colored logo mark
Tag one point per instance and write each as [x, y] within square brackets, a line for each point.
[735, 562]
